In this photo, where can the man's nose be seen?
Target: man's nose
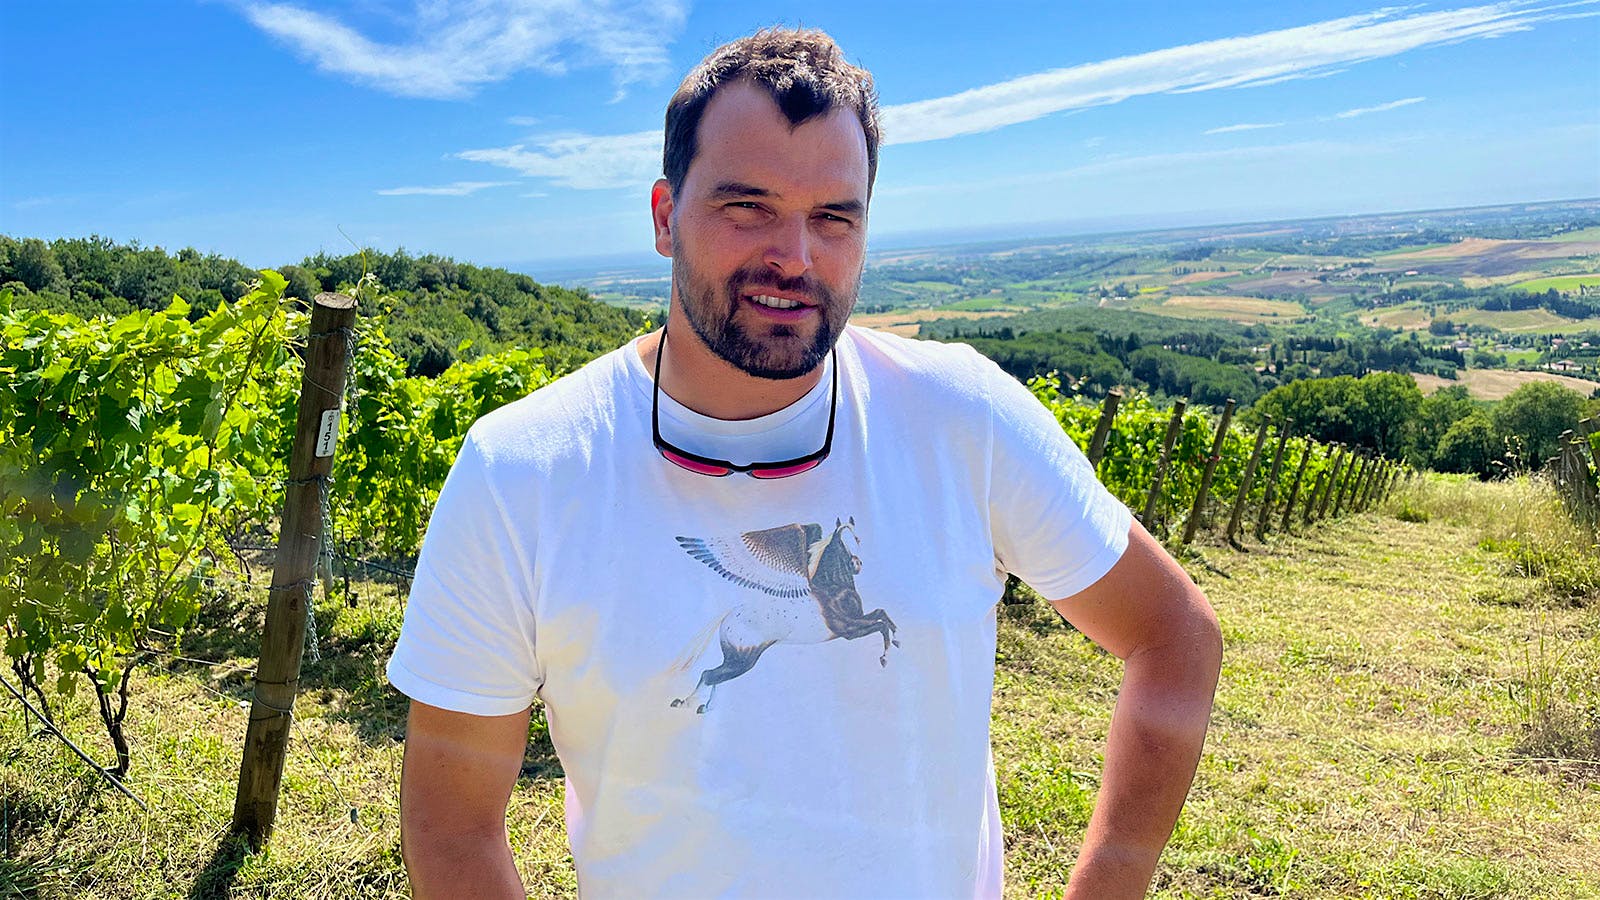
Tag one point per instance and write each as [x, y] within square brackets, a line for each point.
[790, 250]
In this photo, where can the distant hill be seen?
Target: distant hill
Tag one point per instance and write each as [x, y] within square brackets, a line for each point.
[437, 303]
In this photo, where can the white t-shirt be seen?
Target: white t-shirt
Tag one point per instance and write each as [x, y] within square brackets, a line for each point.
[567, 560]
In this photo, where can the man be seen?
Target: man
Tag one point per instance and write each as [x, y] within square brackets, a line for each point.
[778, 685]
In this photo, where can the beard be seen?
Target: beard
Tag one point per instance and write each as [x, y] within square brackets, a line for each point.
[771, 350]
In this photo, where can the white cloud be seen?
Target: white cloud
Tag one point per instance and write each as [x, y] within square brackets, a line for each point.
[523, 121]
[1318, 50]
[1158, 163]
[1243, 126]
[458, 45]
[581, 160]
[1381, 107]
[1276, 56]
[456, 189]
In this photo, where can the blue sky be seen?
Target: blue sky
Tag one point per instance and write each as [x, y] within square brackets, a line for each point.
[526, 132]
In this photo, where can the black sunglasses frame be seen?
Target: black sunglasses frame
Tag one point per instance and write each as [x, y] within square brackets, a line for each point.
[754, 470]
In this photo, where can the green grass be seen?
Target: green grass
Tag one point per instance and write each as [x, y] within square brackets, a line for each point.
[1375, 736]
[1591, 233]
[1564, 283]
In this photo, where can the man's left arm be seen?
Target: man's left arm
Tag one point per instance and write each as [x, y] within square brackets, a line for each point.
[1147, 612]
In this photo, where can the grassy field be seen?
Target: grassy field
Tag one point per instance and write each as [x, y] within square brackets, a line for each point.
[1497, 384]
[1405, 317]
[1245, 310]
[1540, 320]
[1404, 713]
[1584, 234]
[1565, 283]
[905, 322]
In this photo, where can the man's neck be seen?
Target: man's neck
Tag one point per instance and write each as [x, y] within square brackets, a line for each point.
[707, 384]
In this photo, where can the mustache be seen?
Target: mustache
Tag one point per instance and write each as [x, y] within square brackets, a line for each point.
[741, 281]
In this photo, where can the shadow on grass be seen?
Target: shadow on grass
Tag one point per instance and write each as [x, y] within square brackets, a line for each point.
[40, 870]
[216, 879]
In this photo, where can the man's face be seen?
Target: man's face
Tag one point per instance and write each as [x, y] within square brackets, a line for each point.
[768, 232]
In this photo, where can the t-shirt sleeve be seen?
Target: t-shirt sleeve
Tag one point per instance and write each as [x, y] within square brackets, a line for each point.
[1055, 525]
[467, 642]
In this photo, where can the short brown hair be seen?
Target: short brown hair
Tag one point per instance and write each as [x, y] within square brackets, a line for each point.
[803, 70]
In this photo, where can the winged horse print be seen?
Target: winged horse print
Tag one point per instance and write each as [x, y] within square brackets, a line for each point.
[806, 595]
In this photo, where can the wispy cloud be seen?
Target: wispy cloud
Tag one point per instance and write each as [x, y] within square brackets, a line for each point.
[458, 45]
[581, 160]
[1273, 57]
[1243, 126]
[1381, 107]
[456, 189]
[523, 121]
[1155, 163]
[1310, 51]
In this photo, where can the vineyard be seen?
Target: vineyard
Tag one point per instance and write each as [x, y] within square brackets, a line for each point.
[145, 465]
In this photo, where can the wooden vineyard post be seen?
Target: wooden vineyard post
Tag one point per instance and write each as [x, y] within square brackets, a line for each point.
[1372, 483]
[1358, 463]
[1334, 472]
[1294, 492]
[1210, 472]
[1272, 481]
[1102, 429]
[1576, 480]
[1311, 497]
[1174, 425]
[1358, 496]
[1244, 481]
[300, 537]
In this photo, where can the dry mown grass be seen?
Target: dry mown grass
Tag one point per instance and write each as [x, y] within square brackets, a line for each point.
[1372, 738]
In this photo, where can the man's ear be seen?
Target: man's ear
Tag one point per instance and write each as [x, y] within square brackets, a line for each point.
[661, 215]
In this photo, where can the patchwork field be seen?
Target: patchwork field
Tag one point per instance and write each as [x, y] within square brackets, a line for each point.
[1560, 282]
[1495, 384]
[905, 322]
[1198, 277]
[1245, 310]
[1403, 318]
[1513, 320]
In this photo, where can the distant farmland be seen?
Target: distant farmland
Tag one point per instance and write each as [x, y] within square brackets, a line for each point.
[1564, 283]
[1245, 310]
[1515, 320]
[1495, 384]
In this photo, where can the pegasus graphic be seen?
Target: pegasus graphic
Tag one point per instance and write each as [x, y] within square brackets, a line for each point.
[807, 595]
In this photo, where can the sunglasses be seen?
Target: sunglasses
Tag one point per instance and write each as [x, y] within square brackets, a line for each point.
[717, 468]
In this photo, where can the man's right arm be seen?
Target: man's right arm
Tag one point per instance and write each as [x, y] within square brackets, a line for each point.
[456, 780]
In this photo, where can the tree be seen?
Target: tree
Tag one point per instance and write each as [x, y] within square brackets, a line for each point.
[32, 263]
[1532, 419]
[1470, 445]
[1385, 405]
[1437, 414]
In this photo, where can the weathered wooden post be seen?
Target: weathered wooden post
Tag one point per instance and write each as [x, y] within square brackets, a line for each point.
[1174, 425]
[1244, 481]
[1102, 429]
[1311, 497]
[300, 536]
[1272, 481]
[1358, 497]
[1352, 476]
[1294, 492]
[1210, 472]
[1334, 471]
[1372, 483]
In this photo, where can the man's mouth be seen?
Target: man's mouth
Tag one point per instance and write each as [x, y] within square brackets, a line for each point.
[771, 302]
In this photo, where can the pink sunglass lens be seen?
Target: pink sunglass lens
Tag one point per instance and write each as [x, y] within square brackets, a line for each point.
[693, 466]
[786, 471]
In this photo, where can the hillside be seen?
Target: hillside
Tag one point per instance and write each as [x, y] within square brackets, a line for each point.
[437, 310]
[1373, 737]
